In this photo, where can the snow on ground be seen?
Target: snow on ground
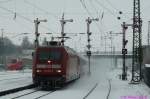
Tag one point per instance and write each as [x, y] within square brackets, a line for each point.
[80, 88]
[14, 79]
[102, 71]
[125, 88]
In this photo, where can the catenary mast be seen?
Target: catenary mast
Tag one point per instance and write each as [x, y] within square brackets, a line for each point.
[137, 45]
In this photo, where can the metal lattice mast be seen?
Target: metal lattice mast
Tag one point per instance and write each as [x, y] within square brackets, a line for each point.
[148, 36]
[137, 46]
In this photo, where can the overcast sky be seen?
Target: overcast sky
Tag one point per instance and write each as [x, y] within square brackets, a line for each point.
[28, 10]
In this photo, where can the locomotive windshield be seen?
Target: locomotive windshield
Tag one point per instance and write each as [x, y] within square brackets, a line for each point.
[49, 55]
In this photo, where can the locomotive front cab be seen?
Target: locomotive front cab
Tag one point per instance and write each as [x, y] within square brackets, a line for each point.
[49, 66]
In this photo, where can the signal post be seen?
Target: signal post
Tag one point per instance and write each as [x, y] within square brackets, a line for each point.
[37, 34]
[89, 21]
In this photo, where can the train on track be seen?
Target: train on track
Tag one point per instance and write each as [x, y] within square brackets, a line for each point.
[55, 65]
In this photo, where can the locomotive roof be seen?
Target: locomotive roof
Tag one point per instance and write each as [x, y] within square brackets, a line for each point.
[68, 49]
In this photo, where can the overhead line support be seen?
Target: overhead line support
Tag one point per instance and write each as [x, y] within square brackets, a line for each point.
[137, 43]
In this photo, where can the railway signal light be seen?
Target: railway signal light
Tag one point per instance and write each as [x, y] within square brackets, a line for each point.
[90, 33]
[125, 42]
[89, 40]
[124, 51]
[120, 12]
[64, 34]
[88, 53]
[89, 46]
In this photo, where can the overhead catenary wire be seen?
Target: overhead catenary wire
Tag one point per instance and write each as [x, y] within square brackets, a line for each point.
[113, 13]
[41, 9]
[97, 25]
[83, 4]
[94, 7]
[112, 5]
[108, 10]
[105, 8]
[5, 1]
[116, 9]
[64, 6]
[23, 17]
[100, 17]
[11, 11]
[21, 24]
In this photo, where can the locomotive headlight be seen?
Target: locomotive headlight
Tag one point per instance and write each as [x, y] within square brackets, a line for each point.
[38, 71]
[59, 71]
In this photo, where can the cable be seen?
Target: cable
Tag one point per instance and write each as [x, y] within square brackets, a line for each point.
[112, 5]
[64, 6]
[83, 4]
[107, 9]
[95, 9]
[5, 1]
[118, 10]
[99, 3]
[25, 18]
[97, 25]
[46, 12]
[24, 25]
[93, 6]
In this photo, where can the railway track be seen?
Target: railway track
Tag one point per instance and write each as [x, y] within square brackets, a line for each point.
[93, 88]
[44, 95]
[109, 89]
[6, 92]
[13, 78]
[24, 94]
[32, 95]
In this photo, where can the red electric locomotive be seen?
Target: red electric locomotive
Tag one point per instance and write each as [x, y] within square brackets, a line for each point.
[55, 65]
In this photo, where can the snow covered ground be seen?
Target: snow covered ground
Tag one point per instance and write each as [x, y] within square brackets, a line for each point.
[14, 79]
[103, 74]
[124, 89]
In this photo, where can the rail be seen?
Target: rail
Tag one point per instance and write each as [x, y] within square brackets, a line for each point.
[109, 90]
[24, 94]
[44, 95]
[6, 92]
[90, 91]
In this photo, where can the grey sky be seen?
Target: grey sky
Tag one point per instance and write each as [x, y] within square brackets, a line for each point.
[52, 11]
